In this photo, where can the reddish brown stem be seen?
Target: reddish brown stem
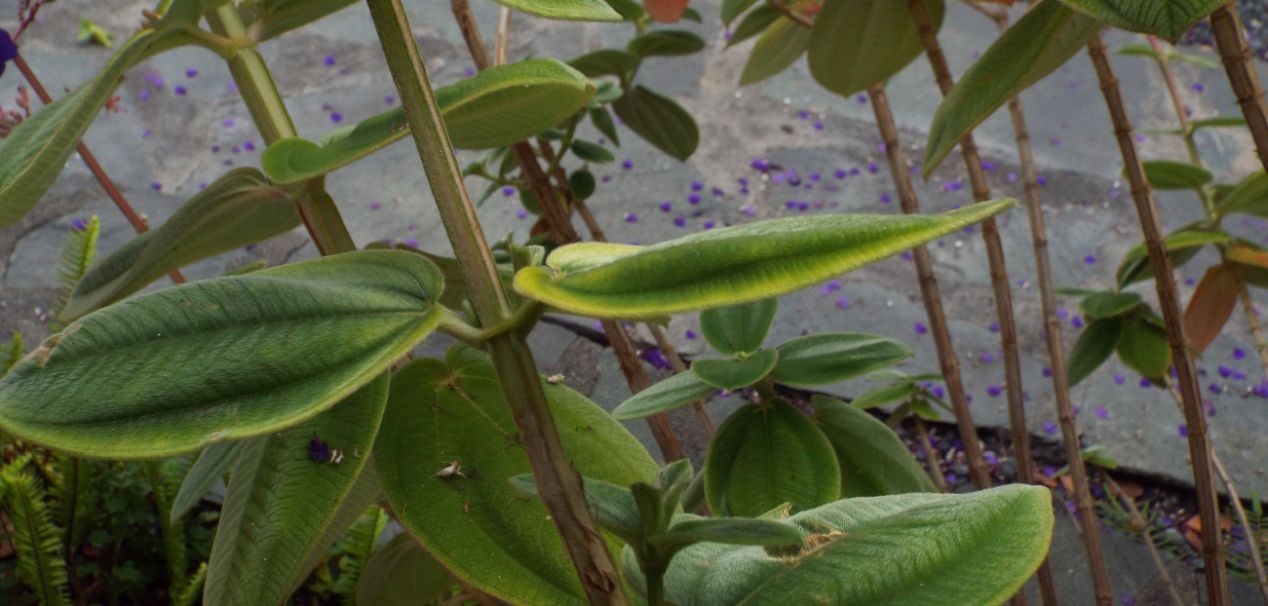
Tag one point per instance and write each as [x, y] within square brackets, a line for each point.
[1139, 523]
[1173, 315]
[1226, 27]
[931, 455]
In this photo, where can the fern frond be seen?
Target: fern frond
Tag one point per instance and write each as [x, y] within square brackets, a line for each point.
[75, 497]
[35, 539]
[356, 547]
[11, 353]
[164, 477]
[193, 588]
[78, 250]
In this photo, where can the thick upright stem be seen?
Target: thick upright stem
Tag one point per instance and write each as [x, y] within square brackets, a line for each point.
[929, 292]
[1235, 52]
[558, 483]
[1173, 315]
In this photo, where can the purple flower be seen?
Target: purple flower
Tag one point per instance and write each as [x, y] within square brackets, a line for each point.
[1050, 428]
[839, 173]
[1076, 321]
[627, 164]
[1101, 412]
[1225, 371]
[1089, 260]
[191, 73]
[336, 117]
[156, 186]
[666, 206]
[843, 302]
[376, 205]
[994, 390]
[508, 191]
[521, 214]
[872, 167]
[861, 98]
[1047, 372]
[994, 327]
[1183, 430]
[690, 334]
[696, 186]
[694, 199]
[329, 60]
[631, 218]
[1118, 378]
[1198, 87]
[79, 224]
[885, 198]
[708, 225]
[248, 145]
[921, 328]
[318, 451]
[987, 358]
[179, 90]
[680, 221]
[654, 357]
[1239, 353]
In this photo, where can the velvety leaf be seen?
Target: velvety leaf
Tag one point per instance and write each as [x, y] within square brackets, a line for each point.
[738, 329]
[1249, 197]
[630, 10]
[1109, 304]
[857, 43]
[285, 489]
[734, 8]
[1143, 347]
[1166, 18]
[606, 62]
[880, 551]
[674, 392]
[476, 523]
[665, 43]
[873, 461]
[497, 107]
[401, 573]
[1181, 246]
[666, 11]
[1093, 348]
[731, 373]
[1043, 40]
[566, 10]
[272, 18]
[828, 358]
[211, 466]
[754, 23]
[765, 456]
[238, 209]
[735, 264]
[1168, 175]
[1211, 306]
[365, 492]
[229, 358]
[781, 45]
[660, 121]
[688, 529]
[612, 505]
[884, 395]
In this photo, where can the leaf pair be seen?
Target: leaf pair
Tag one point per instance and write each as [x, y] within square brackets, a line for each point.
[1120, 322]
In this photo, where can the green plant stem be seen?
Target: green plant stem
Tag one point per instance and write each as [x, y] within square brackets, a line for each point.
[1226, 28]
[558, 482]
[1173, 315]
[268, 111]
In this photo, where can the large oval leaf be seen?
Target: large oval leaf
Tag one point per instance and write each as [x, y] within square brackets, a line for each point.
[234, 357]
[497, 107]
[674, 392]
[858, 43]
[828, 358]
[781, 45]
[1044, 39]
[738, 329]
[880, 551]
[473, 520]
[238, 209]
[737, 264]
[1093, 347]
[566, 10]
[731, 373]
[765, 456]
[660, 121]
[1169, 174]
[1166, 18]
[284, 491]
[874, 462]
[1143, 347]
[1249, 197]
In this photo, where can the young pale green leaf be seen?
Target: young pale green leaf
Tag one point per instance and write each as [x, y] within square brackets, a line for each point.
[738, 329]
[1166, 18]
[1181, 246]
[688, 529]
[223, 359]
[446, 452]
[238, 209]
[781, 45]
[660, 121]
[675, 392]
[1043, 40]
[884, 395]
[731, 373]
[211, 466]
[665, 43]
[1143, 347]
[858, 43]
[735, 264]
[1218, 122]
[734, 8]
[291, 483]
[497, 107]
[38, 147]
[1169, 174]
[1108, 304]
[612, 505]
[879, 551]
[269, 19]
[401, 573]
[828, 358]
[765, 456]
[754, 23]
[874, 462]
[606, 62]
[566, 10]
[1093, 348]
[1249, 197]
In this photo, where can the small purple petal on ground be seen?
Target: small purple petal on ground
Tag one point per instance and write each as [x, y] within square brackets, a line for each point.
[666, 206]
[631, 218]
[376, 205]
[521, 214]
[920, 328]
[627, 164]
[872, 167]
[1050, 428]
[994, 390]
[1047, 372]
[1239, 353]
[508, 191]
[411, 242]
[336, 117]
[1101, 412]
[180, 91]
[1119, 379]
[696, 186]
[1183, 430]
[690, 334]
[156, 186]
[680, 221]
[329, 60]
[694, 199]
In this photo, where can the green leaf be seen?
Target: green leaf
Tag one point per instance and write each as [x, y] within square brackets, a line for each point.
[660, 121]
[1109, 304]
[78, 251]
[39, 147]
[754, 23]
[238, 209]
[292, 484]
[364, 494]
[1143, 347]
[665, 43]
[1043, 40]
[401, 573]
[884, 395]
[1169, 175]
[1093, 348]
[781, 45]
[734, 8]
[689, 529]
[630, 10]
[1218, 122]
[606, 62]
[271, 18]
[874, 462]
[499, 106]
[235, 357]
[591, 152]
[1166, 18]
[828, 358]
[731, 373]
[566, 10]
[91, 32]
[765, 456]
[211, 466]
[11, 353]
[1249, 197]
[881, 551]
[602, 120]
[1138, 49]
[31, 533]
[734, 264]
[858, 43]
[738, 329]
[612, 505]
[477, 524]
[674, 392]
[1181, 246]
[582, 184]
[355, 549]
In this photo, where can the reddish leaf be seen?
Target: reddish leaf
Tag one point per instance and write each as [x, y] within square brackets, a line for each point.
[665, 11]
[1240, 253]
[1211, 306]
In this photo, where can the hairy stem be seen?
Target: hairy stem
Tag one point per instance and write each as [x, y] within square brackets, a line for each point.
[1235, 52]
[558, 482]
[1173, 315]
